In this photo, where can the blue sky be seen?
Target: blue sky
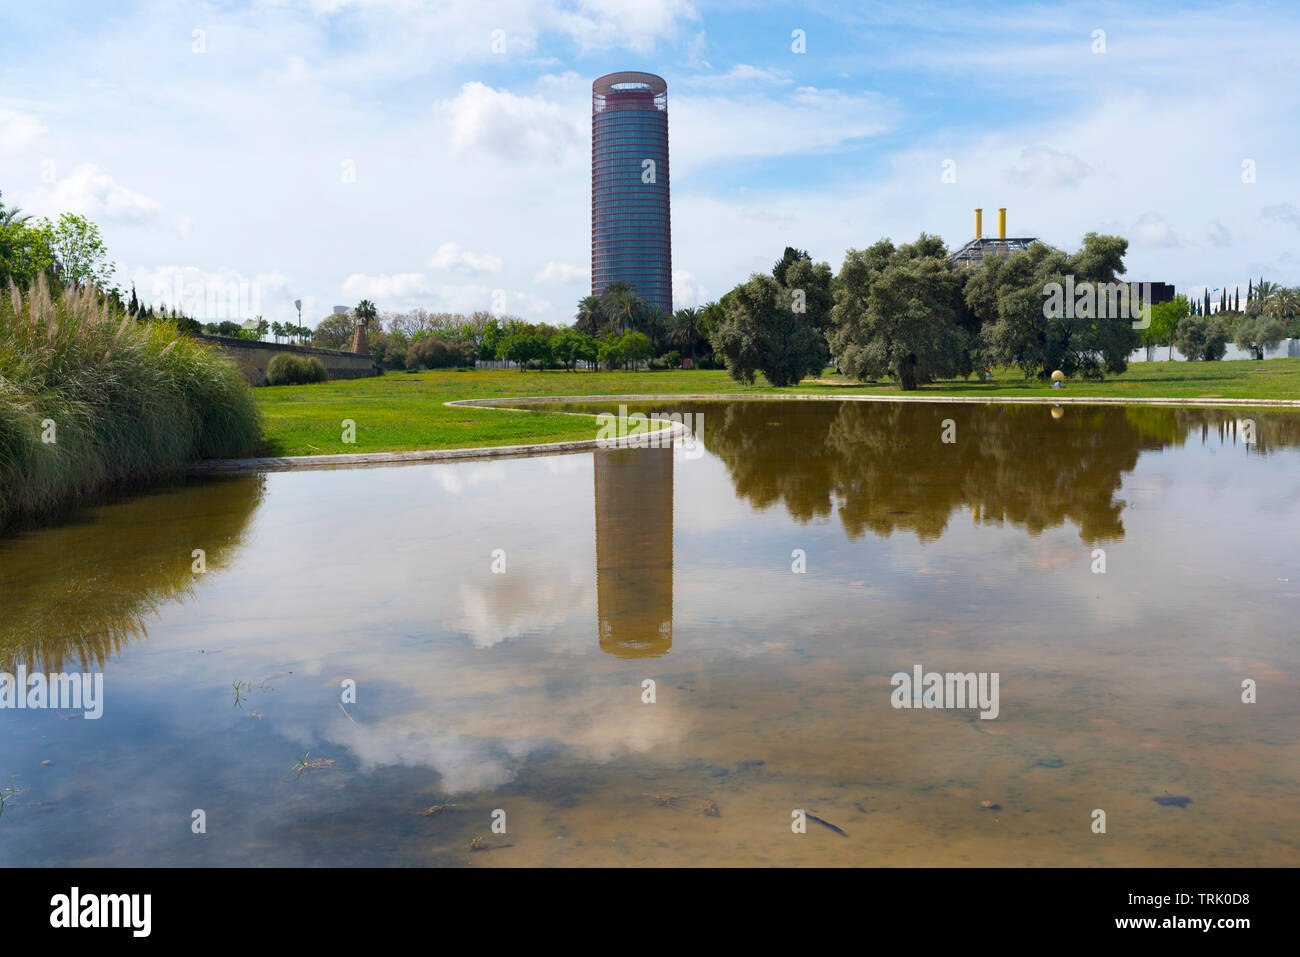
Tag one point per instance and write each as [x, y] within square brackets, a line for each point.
[333, 149]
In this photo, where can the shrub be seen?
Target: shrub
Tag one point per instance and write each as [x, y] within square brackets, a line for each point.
[395, 353]
[286, 368]
[124, 401]
[1258, 336]
[430, 352]
[1201, 338]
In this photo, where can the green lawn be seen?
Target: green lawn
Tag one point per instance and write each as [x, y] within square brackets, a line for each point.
[401, 412]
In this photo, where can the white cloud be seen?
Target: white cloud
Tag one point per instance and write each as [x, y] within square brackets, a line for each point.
[509, 127]
[1048, 167]
[560, 272]
[1220, 235]
[1282, 213]
[807, 120]
[402, 286]
[18, 131]
[635, 24]
[93, 193]
[686, 291]
[452, 257]
[743, 75]
[454, 480]
[1152, 230]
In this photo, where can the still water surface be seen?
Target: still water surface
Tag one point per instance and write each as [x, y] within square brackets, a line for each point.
[524, 691]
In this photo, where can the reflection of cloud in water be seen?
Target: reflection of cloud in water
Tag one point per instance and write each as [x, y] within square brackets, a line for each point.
[566, 464]
[458, 478]
[520, 603]
[474, 739]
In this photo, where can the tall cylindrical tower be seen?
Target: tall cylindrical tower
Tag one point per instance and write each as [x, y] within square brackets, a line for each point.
[631, 234]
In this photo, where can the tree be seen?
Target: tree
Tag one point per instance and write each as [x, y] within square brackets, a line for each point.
[333, 332]
[26, 250]
[636, 347]
[1259, 336]
[365, 313]
[1165, 317]
[523, 347]
[774, 328]
[591, 319]
[431, 352]
[711, 316]
[898, 313]
[81, 258]
[490, 341]
[568, 347]
[1025, 321]
[588, 350]
[653, 321]
[621, 305]
[11, 215]
[788, 258]
[610, 353]
[683, 332]
[1201, 338]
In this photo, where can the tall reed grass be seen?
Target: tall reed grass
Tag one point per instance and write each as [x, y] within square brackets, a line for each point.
[125, 402]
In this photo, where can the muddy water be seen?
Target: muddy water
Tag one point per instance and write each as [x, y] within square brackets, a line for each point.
[523, 689]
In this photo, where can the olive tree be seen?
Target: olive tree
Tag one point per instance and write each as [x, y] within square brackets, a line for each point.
[777, 328]
[1258, 336]
[898, 313]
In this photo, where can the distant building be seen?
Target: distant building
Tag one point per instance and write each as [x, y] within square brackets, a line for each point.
[631, 230]
[978, 249]
[1160, 292]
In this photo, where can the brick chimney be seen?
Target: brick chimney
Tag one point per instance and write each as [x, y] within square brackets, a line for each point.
[360, 343]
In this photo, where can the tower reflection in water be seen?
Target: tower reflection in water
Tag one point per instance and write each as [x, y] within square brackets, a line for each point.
[634, 551]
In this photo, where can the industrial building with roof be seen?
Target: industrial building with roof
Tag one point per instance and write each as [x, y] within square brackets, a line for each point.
[974, 252]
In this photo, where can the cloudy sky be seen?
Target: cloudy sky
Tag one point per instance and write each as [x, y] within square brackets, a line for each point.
[436, 154]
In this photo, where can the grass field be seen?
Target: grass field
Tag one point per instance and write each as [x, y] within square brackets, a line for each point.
[402, 412]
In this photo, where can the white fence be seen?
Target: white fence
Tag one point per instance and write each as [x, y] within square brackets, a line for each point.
[1287, 349]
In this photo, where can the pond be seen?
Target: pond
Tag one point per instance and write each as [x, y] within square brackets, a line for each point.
[658, 656]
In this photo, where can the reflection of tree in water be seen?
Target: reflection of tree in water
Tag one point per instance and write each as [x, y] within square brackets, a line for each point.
[81, 590]
[886, 468]
[776, 452]
[1274, 430]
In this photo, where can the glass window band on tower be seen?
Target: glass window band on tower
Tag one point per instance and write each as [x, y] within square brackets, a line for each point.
[631, 231]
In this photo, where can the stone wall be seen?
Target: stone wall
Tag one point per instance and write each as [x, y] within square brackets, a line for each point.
[252, 358]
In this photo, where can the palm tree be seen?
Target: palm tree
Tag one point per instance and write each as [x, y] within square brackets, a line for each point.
[1284, 304]
[653, 321]
[12, 216]
[591, 318]
[684, 333]
[1265, 293]
[365, 313]
[621, 304]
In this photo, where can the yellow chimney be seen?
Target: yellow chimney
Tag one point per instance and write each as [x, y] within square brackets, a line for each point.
[1002, 222]
[979, 223]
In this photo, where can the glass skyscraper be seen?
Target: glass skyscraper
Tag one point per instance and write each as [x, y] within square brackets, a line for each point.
[631, 233]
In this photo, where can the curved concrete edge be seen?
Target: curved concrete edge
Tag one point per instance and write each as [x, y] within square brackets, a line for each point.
[364, 459]
[861, 397]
